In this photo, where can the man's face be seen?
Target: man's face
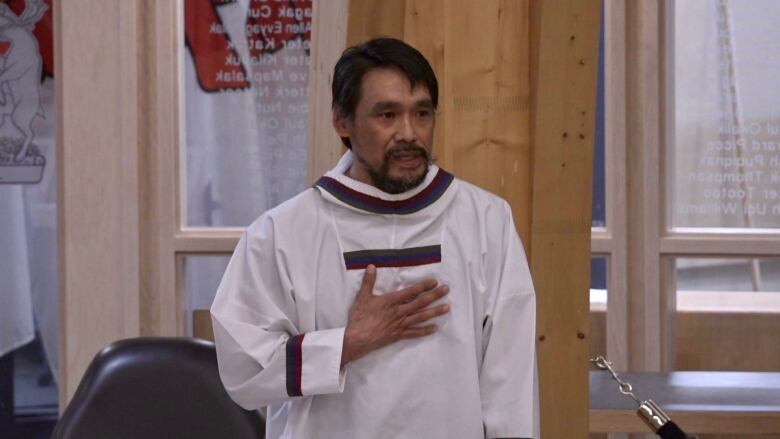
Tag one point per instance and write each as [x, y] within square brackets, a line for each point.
[391, 131]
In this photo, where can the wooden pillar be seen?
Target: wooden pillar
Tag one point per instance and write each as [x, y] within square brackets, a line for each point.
[566, 37]
[97, 180]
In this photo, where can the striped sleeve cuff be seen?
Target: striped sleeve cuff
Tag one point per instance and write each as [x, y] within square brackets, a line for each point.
[294, 365]
[314, 363]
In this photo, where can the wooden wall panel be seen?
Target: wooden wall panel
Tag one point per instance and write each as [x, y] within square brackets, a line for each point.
[424, 28]
[375, 18]
[479, 51]
[329, 39]
[563, 135]
[716, 341]
[728, 341]
[98, 196]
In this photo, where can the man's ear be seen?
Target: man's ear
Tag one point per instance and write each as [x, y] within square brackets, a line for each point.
[341, 124]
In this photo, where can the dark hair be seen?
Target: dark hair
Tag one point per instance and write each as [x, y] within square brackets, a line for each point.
[356, 61]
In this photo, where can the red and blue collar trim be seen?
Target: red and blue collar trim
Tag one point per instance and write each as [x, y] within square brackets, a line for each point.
[372, 204]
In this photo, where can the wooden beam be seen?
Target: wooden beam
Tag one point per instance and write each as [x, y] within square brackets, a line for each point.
[563, 135]
[97, 180]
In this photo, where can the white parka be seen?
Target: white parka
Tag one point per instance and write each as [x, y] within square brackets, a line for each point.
[281, 309]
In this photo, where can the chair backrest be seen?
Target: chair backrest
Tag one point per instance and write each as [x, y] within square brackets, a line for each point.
[154, 387]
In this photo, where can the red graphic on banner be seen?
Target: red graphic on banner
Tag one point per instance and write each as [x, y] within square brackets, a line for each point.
[212, 51]
[44, 33]
[20, 91]
[269, 27]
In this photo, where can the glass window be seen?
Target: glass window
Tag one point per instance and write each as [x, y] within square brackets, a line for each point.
[726, 147]
[598, 306]
[246, 106]
[733, 275]
[29, 306]
[202, 275]
[598, 277]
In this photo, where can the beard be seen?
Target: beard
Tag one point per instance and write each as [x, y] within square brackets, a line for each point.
[395, 185]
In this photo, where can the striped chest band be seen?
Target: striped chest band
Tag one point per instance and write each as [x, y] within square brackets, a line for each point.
[405, 257]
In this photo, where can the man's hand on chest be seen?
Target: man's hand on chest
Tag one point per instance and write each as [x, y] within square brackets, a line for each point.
[376, 321]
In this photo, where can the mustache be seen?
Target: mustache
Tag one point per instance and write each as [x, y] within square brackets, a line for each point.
[407, 148]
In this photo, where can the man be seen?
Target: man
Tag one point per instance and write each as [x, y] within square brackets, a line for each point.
[391, 300]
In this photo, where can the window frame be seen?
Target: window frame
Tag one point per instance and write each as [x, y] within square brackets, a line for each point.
[639, 137]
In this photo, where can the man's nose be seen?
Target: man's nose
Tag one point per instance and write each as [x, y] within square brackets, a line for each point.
[405, 130]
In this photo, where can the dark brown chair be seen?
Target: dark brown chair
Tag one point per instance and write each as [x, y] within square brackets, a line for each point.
[146, 388]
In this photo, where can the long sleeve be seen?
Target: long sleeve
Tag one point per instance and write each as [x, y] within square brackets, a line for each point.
[508, 373]
[263, 355]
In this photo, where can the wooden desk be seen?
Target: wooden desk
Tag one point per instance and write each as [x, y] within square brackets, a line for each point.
[699, 402]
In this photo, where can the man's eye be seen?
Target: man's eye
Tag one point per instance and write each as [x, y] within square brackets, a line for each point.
[423, 113]
[388, 115]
